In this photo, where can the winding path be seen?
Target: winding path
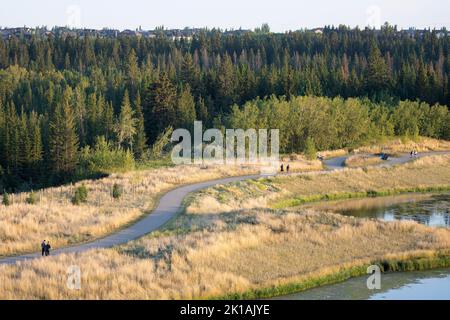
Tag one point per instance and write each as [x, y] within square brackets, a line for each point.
[171, 204]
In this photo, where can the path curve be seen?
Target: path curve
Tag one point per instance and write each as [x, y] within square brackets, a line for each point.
[171, 204]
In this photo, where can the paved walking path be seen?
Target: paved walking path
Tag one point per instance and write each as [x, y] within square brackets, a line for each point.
[171, 204]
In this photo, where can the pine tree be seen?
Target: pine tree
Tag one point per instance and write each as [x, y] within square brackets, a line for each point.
[125, 126]
[94, 110]
[227, 83]
[140, 140]
[202, 110]
[24, 146]
[63, 140]
[80, 114]
[159, 107]
[36, 150]
[185, 109]
[108, 121]
[378, 79]
[2, 137]
[132, 73]
[12, 138]
[422, 82]
[189, 74]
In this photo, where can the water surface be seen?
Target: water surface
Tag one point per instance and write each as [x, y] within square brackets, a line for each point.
[422, 285]
[430, 209]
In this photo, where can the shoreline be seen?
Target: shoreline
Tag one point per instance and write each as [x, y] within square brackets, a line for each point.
[316, 198]
[419, 261]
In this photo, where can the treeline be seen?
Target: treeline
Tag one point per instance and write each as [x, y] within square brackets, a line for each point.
[225, 69]
[337, 123]
[71, 107]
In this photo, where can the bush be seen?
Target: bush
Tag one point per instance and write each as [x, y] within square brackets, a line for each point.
[310, 149]
[32, 199]
[117, 191]
[104, 159]
[6, 201]
[162, 141]
[80, 196]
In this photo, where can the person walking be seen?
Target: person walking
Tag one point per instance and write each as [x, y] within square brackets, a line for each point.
[287, 168]
[43, 247]
[47, 249]
[282, 167]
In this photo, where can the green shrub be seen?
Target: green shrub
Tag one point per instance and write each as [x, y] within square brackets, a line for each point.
[80, 196]
[117, 191]
[6, 201]
[310, 149]
[32, 199]
[162, 141]
[104, 159]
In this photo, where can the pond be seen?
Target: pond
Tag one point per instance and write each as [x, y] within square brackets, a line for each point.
[422, 285]
[430, 209]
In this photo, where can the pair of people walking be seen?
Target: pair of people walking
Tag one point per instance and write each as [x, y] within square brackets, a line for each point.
[45, 246]
[282, 168]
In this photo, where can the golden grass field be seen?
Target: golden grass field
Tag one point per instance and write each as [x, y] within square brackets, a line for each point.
[393, 146]
[362, 160]
[228, 254]
[23, 226]
[298, 163]
[284, 191]
[231, 240]
[399, 145]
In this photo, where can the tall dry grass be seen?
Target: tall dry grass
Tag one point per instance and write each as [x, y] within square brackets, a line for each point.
[254, 249]
[298, 163]
[399, 145]
[393, 146]
[23, 226]
[362, 160]
[433, 171]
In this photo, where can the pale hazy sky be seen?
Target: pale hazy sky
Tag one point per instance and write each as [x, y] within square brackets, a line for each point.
[281, 15]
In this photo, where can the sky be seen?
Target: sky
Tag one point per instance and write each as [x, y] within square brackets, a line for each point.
[281, 15]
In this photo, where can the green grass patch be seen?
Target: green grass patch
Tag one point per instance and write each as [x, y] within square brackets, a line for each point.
[299, 200]
[440, 260]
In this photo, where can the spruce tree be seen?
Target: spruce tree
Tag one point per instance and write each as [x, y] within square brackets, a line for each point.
[35, 138]
[95, 125]
[125, 126]
[185, 109]
[226, 82]
[140, 140]
[108, 121]
[132, 73]
[201, 110]
[63, 140]
[25, 156]
[378, 79]
[12, 138]
[80, 114]
[159, 107]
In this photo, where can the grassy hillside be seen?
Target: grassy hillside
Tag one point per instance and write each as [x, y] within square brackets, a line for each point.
[227, 255]
[54, 217]
[424, 174]
[222, 251]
